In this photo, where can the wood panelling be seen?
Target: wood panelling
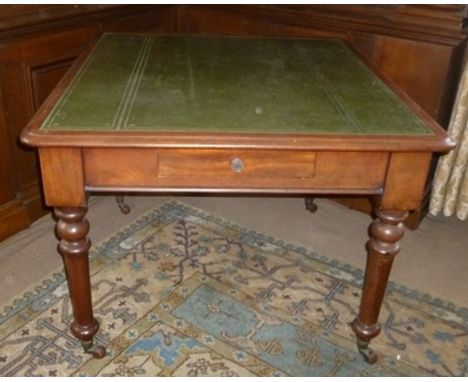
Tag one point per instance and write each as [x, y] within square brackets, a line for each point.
[421, 61]
[45, 77]
[7, 173]
[13, 218]
[38, 43]
[16, 16]
[30, 70]
[440, 24]
[161, 19]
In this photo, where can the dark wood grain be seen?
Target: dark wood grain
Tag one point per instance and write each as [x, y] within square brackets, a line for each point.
[62, 177]
[274, 171]
[385, 233]
[38, 43]
[72, 228]
[437, 24]
[406, 177]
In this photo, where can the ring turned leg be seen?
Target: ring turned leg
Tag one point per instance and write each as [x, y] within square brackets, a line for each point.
[385, 232]
[72, 228]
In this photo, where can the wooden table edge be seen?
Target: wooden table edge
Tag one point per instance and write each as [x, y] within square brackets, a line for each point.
[34, 136]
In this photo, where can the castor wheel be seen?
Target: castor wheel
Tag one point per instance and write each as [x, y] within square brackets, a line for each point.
[97, 351]
[310, 205]
[124, 207]
[367, 353]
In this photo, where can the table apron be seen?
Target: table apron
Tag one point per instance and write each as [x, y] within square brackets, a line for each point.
[226, 170]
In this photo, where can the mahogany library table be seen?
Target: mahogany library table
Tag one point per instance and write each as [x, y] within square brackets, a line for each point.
[144, 113]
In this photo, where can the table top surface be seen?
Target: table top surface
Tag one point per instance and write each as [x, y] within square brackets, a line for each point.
[233, 85]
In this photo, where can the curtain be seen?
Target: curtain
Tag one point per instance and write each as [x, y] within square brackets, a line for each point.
[450, 184]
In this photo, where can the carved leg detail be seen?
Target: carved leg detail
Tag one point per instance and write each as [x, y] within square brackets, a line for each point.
[72, 228]
[124, 207]
[310, 204]
[385, 232]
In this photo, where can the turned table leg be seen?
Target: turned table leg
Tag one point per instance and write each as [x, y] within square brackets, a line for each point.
[72, 228]
[385, 232]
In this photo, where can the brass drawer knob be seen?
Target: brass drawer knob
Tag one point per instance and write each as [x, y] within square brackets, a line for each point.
[237, 165]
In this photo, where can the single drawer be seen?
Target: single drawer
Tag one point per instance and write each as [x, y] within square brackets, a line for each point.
[236, 163]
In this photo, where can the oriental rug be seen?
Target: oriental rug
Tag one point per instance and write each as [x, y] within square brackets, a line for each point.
[183, 293]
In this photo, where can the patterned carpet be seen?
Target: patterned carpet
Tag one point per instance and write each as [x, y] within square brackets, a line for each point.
[184, 293]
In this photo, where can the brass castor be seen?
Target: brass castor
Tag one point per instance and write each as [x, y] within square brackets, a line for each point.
[310, 205]
[368, 354]
[124, 207]
[97, 351]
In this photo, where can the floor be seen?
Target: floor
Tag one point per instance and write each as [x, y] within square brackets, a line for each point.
[434, 259]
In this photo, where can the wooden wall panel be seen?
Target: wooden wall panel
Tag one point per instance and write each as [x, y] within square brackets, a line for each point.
[160, 19]
[34, 55]
[419, 68]
[7, 176]
[30, 69]
[45, 77]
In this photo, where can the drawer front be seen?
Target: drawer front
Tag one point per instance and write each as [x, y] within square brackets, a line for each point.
[231, 170]
[234, 164]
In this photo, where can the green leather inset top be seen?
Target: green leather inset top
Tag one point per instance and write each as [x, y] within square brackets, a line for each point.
[243, 85]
